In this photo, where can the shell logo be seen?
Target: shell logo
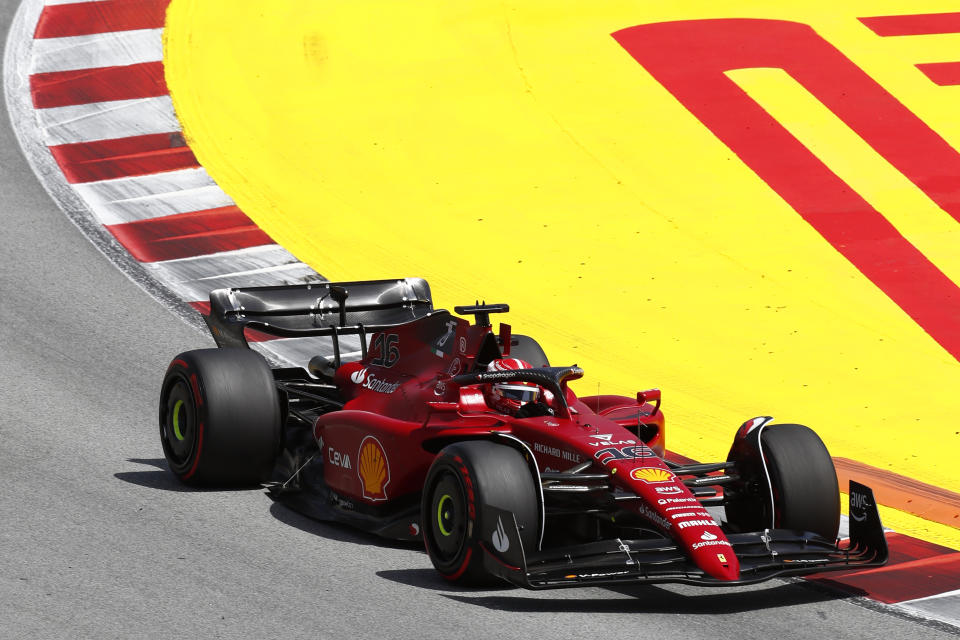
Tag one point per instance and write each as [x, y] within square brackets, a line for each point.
[648, 474]
[373, 469]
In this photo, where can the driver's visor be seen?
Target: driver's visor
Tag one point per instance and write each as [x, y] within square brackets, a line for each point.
[519, 393]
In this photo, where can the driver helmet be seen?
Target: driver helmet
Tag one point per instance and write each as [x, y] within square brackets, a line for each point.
[508, 397]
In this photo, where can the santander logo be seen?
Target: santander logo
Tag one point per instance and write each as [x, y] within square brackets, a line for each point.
[372, 382]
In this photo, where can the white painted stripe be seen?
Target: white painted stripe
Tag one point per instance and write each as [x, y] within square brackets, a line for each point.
[118, 48]
[152, 196]
[945, 594]
[71, 1]
[106, 120]
[844, 527]
[194, 278]
[943, 607]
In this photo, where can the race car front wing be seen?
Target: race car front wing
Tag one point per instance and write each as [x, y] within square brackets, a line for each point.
[762, 555]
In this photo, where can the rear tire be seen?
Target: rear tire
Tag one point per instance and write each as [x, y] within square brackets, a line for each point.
[220, 417]
[464, 477]
[803, 480]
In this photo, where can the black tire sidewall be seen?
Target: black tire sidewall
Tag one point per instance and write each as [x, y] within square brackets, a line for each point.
[487, 473]
[237, 409]
[803, 478]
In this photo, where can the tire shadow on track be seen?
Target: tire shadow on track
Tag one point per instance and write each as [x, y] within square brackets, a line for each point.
[428, 578]
[656, 599]
[162, 478]
[336, 531]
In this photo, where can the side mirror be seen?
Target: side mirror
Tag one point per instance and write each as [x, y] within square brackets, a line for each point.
[650, 395]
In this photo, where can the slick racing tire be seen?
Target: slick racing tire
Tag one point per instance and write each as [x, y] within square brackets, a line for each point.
[803, 483]
[464, 477]
[220, 417]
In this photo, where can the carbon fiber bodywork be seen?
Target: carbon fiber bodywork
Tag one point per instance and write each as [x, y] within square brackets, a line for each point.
[763, 555]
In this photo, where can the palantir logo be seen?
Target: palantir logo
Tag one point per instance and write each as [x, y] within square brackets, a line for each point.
[499, 538]
[357, 377]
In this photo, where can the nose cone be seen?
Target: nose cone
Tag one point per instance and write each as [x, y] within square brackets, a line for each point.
[710, 550]
[718, 563]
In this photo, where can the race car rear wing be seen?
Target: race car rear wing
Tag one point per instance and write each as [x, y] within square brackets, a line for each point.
[325, 309]
[762, 555]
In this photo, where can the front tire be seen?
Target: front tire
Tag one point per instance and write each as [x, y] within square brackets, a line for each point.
[462, 479]
[803, 482]
[220, 417]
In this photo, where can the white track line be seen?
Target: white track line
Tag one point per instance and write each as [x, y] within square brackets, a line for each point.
[193, 278]
[107, 120]
[152, 196]
[114, 49]
[70, 1]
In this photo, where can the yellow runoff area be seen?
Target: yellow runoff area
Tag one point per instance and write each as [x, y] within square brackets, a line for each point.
[514, 152]
[903, 522]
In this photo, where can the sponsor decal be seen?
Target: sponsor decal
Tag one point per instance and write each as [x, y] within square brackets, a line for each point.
[444, 344]
[604, 440]
[653, 516]
[499, 537]
[673, 500]
[858, 506]
[463, 345]
[373, 468]
[668, 490]
[556, 452]
[440, 388]
[551, 423]
[711, 543]
[493, 376]
[455, 367]
[688, 514]
[708, 536]
[625, 453]
[805, 560]
[599, 575]
[338, 459]
[414, 529]
[651, 474]
[696, 523]
[368, 381]
[722, 558]
[342, 503]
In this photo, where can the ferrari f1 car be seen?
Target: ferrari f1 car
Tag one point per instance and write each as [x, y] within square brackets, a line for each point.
[397, 436]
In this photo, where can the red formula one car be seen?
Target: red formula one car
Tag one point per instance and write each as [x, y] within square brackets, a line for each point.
[403, 437]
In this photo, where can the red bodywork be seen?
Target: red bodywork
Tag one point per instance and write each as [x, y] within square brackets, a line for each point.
[403, 406]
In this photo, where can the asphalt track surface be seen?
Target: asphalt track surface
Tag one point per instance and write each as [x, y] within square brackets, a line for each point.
[98, 540]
